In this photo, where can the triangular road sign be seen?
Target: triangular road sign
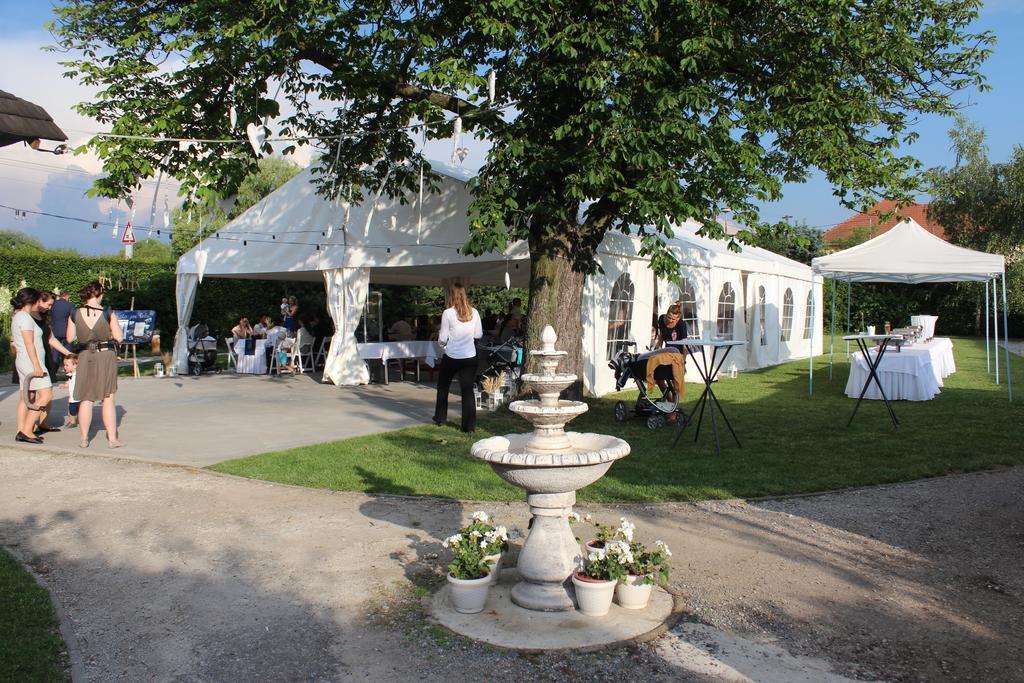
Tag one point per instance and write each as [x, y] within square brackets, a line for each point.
[129, 235]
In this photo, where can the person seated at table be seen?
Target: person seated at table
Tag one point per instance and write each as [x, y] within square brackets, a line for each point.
[242, 330]
[490, 323]
[400, 330]
[259, 330]
[671, 326]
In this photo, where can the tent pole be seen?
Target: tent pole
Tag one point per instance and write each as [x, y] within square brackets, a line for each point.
[988, 364]
[810, 352]
[832, 342]
[995, 327]
[1006, 341]
[849, 289]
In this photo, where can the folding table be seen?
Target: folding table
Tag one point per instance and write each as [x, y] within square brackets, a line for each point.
[708, 369]
[882, 341]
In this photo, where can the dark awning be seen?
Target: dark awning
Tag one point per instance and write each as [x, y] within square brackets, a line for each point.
[22, 121]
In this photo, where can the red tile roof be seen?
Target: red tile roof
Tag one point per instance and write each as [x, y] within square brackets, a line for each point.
[919, 212]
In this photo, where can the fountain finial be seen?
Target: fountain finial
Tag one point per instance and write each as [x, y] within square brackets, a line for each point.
[548, 338]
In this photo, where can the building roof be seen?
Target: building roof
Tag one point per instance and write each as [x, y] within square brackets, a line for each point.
[20, 120]
[919, 212]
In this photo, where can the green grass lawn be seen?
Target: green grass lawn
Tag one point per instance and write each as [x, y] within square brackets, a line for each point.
[791, 443]
[31, 648]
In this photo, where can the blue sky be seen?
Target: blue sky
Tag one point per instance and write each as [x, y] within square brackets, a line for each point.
[56, 184]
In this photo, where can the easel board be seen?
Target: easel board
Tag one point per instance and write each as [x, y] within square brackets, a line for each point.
[137, 327]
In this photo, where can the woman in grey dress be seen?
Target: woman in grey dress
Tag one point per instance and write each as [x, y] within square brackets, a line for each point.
[96, 329]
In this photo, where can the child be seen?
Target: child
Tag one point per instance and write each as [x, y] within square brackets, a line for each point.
[70, 364]
[285, 308]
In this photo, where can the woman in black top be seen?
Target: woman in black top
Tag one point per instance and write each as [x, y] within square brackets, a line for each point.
[671, 326]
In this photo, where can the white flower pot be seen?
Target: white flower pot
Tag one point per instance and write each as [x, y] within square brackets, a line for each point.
[633, 594]
[495, 562]
[593, 598]
[469, 595]
[592, 546]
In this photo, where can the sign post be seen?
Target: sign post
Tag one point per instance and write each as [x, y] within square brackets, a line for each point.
[128, 240]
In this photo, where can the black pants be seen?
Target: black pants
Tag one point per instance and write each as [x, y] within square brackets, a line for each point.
[465, 368]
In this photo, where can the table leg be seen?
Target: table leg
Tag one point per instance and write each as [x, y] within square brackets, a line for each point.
[873, 376]
[714, 398]
[701, 400]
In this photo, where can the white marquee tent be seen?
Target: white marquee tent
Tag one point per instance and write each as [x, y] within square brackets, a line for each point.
[910, 254]
[295, 234]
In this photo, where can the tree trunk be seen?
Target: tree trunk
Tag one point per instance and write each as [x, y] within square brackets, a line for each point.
[556, 299]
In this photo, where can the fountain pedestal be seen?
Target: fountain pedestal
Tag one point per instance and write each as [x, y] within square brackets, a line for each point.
[550, 464]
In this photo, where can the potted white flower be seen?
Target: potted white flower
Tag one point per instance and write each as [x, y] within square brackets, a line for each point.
[647, 567]
[595, 583]
[476, 557]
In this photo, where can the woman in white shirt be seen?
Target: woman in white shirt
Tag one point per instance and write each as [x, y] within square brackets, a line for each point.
[460, 328]
[27, 338]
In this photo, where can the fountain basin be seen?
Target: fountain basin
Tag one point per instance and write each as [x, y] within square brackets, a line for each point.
[539, 414]
[585, 461]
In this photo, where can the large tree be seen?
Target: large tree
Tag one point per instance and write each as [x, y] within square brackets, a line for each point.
[644, 112]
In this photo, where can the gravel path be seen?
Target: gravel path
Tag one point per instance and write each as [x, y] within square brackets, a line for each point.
[175, 573]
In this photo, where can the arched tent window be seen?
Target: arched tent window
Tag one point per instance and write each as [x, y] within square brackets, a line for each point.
[726, 311]
[809, 314]
[787, 315]
[688, 302]
[620, 314]
[762, 309]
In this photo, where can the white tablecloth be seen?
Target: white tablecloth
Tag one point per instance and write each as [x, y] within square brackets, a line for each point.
[914, 373]
[429, 351]
[255, 364]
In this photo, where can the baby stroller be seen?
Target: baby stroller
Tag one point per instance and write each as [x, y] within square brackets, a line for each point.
[496, 357]
[202, 350]
[658, 411]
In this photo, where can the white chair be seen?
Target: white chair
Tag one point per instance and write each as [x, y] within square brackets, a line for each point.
[232, 355]
[275, 365]
[321, 353]
[302, 350]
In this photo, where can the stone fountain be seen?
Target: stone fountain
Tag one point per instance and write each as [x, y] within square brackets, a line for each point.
[550, 464]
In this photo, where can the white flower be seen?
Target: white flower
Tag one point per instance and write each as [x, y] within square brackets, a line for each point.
[501, 532]
[574, 517]
[484, 544]
[596, 555]
[587, 518]
[481, 516]
[452, 540]
[663, 548]
[475, 534]
[626, 528]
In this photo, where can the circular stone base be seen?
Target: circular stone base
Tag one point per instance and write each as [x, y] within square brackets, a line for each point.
[504, 624]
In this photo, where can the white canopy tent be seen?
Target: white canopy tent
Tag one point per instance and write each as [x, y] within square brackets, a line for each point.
[296, 234]
[910, 254]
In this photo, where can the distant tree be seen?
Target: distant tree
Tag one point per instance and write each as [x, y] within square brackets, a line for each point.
[269, 174]
[153, 250]
[858, 235]
[797, 241]
[979, 203]
[15, 240]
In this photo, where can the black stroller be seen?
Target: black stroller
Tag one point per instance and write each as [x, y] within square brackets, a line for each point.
[496, 357]
[658, 411]
[202, 351]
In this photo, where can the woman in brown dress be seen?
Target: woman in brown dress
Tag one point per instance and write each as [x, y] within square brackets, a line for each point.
[96, 329]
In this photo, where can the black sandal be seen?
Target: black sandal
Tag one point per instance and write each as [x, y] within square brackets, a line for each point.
[27, 439]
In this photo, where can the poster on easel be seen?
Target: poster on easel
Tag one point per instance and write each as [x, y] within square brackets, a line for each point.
[137, 327]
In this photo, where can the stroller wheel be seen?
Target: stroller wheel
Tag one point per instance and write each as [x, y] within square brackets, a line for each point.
[621, 411]
[196, 369]
[656, 421]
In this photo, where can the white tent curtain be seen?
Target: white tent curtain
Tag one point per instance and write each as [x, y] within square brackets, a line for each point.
[346, 295]
[756, 313]
[185, 288]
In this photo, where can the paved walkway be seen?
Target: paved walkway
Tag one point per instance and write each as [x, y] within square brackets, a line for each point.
[204, 420]
[170, 573]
